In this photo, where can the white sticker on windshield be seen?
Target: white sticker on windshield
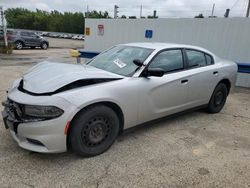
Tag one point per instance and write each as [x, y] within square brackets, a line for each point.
[119, 63]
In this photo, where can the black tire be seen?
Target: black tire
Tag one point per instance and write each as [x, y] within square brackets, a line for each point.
[93, 131]
[218, 98]
[44, 45]
[19, 45]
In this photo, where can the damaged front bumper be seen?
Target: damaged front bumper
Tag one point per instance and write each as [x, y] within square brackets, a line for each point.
[45, 136]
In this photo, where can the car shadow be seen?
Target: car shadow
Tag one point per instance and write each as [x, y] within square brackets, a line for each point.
[154, 124]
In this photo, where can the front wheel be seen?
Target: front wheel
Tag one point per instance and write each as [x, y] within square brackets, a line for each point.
[44, 46]
[218, 99]
[93, 131]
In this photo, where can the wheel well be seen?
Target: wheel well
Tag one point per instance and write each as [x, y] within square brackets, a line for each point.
[112, 105]
[227, 83]
[45, 42]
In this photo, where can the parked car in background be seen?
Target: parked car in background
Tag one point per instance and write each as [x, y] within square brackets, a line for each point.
[75, 37]
[45, 33]
[79, 37]
[57, 106]
[65, 36]
[9, 34]
[21, 39]
[82, 37]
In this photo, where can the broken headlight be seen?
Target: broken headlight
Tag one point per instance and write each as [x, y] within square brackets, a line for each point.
[47, 112]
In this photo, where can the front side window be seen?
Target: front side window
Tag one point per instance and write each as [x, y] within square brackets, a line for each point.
[195, 58]
[170, 60]
[119, 59]
[32, 34]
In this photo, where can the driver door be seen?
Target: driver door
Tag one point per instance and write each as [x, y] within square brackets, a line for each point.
[161, 96]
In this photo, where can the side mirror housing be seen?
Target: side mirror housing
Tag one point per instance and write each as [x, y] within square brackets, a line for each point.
[138, 62]
[158, 72]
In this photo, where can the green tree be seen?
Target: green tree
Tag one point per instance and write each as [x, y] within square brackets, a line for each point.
[56, 21]
[132, 17]
[95, 14]
[152, 17]
[199, 16]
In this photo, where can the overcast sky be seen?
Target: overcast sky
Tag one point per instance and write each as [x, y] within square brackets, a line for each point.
[164, 8]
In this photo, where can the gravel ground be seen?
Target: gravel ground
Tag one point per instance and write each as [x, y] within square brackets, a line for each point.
[195, 149]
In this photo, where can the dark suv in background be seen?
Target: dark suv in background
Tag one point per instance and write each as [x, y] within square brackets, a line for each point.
[26, 39]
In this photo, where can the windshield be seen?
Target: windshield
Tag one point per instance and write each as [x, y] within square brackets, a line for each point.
[119, 59]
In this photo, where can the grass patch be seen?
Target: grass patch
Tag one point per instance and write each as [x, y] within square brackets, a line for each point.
[7, 50]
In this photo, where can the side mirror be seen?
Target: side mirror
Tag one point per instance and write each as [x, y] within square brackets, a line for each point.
[158, 72]
[138, 62]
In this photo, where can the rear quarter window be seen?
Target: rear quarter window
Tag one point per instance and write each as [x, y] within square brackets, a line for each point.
[195, 58]
[209, 59]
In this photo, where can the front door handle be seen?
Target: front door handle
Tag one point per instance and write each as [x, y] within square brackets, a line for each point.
[184, 81]
[215, 72]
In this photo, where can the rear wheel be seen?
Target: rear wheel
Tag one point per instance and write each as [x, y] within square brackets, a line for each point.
[19, 45]
[44, 45]
[218, 99]
[94, 130]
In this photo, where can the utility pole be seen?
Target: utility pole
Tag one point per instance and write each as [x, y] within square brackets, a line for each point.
[212, 15]
[141, 11]
[116, 11]
[4, 27]
[248, 9]
[87, 13]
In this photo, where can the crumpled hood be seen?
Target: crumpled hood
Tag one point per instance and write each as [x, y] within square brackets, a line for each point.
[47, 77]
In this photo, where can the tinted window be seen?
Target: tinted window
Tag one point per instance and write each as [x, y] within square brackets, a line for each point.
[32, 34]
[11, 32]
[209, 59]
[170, 60]
[24, 33]
[195, 58]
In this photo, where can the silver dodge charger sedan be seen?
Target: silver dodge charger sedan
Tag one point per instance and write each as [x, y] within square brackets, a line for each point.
[55, 106]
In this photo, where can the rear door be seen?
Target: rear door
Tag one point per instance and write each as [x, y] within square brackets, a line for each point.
[34, 39]
[25, 35]
[160, 96]
[202, 77]
[30, 38]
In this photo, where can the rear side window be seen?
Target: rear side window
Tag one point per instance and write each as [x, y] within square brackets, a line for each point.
[170, 60]
[195, 58]
[24, 33]
[209, 59]
[12, 32]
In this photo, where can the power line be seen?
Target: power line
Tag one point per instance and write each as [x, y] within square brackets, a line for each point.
[244, 7]
[234, 4]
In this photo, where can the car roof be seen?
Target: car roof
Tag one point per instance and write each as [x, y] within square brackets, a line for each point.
[161, 46]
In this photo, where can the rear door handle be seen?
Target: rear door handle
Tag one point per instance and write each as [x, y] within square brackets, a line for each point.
[215, 72]
[184, 81]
